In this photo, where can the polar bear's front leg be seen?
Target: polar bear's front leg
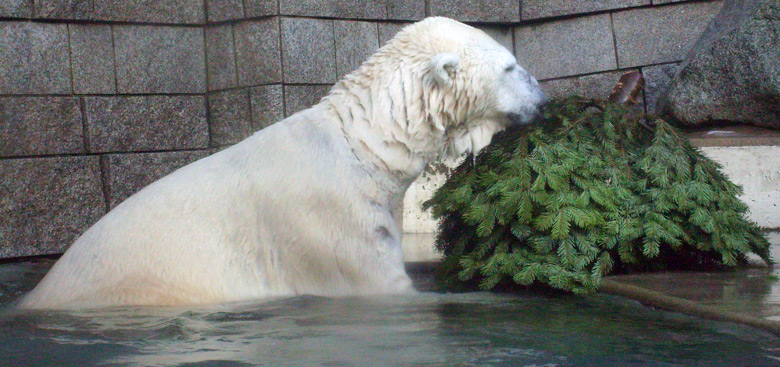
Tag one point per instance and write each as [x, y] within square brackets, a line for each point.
[339, 245]
[389, 246]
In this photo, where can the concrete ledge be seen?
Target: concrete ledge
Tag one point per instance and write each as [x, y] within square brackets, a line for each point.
[735, 136]
[757, 170]
[418, 247]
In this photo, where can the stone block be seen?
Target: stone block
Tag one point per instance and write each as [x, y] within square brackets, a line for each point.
[309, 51]
[147, 11]
[301, 97]
[350, 9]
[92, 55]
[160, 59]
[229, 115]
[257, 52]
[65, 9]
[34, 58]
[388, 30]
[16, 9]
[154, 59]
[222, 10]
[657, 78]
[565, 48]
[267, 105]
[46, 203]
[661, 34]
[150, 11]
[406, 9]
[144, 123]
[220, 58]
[589, 86]
[40, 125]
[260, 8]
[535, 9]
[128, 173]
[355, 42]
[502, 35]
[477, 11]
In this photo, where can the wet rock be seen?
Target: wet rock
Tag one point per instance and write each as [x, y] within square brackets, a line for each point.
[733, 71]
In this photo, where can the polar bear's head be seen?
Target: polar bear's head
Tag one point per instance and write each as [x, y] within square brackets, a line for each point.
[439, 88]
[479, 88]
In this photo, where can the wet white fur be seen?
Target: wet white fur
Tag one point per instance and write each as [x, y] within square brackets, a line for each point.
[305, 205]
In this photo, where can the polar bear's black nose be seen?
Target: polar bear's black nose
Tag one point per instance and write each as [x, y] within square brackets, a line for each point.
[522, 119]
[544, 100]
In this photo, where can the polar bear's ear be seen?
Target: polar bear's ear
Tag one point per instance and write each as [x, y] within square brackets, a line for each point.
[444, 66]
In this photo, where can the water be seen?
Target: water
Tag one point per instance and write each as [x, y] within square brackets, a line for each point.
[427, 329]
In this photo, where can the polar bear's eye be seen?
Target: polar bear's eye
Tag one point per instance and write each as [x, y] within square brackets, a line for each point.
[510, 68]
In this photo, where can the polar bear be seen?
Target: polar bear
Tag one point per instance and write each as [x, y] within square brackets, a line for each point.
[304, 206]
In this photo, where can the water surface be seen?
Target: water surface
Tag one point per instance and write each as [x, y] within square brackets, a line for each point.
[427, 329]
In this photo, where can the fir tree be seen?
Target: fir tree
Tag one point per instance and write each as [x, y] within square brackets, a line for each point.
[590, 190]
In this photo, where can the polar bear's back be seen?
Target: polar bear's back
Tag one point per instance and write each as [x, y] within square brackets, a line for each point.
[205, 233]
[151, 241]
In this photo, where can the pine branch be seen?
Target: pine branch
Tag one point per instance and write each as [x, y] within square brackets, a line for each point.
[588, 192]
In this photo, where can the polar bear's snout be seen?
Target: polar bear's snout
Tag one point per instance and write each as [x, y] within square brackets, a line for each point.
[534, 104]
[527, 116]
[518, 93]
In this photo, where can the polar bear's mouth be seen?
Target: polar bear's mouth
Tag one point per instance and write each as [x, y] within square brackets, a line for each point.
[470, 138]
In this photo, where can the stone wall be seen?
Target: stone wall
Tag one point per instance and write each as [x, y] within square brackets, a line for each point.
[100, 97]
